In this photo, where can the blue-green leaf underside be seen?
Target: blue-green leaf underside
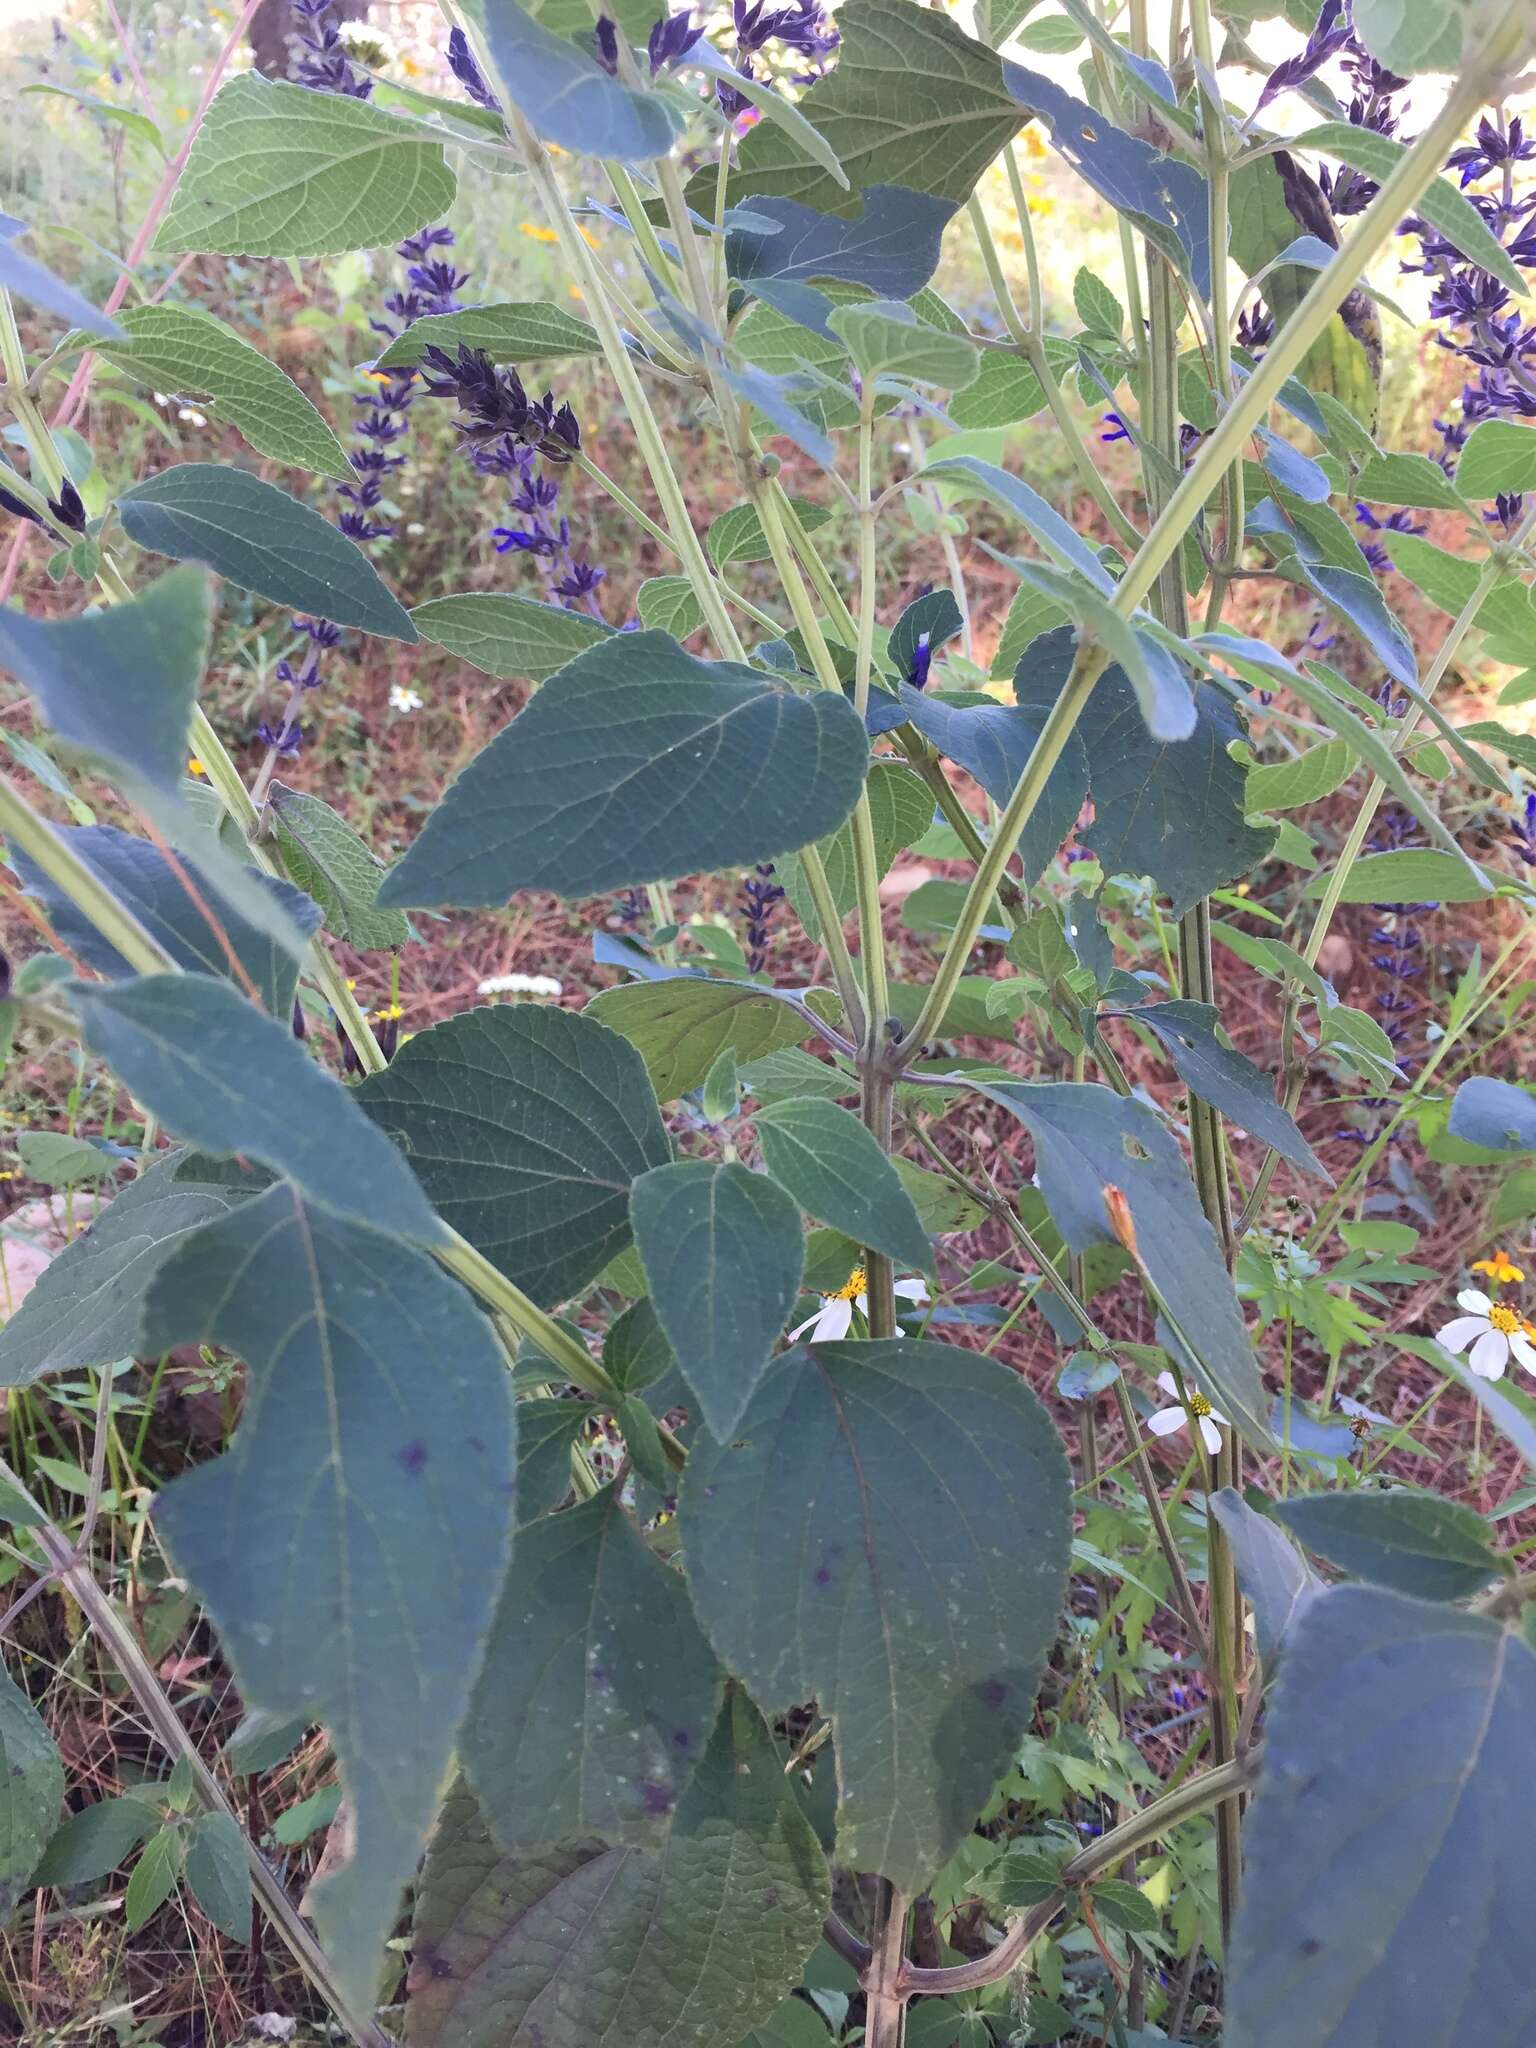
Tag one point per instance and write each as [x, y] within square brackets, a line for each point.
[350, 1544]
[1088, 1139]
[566, 96]
[588, 1946]
[598, 1694]
[887, 1531]
[1225, 1078]
[723, 1250]
[681, 1024]
[221, 1073]
[1384, 1888]
[253, 534]
[121, 683]
[144, 882]
[635, 763]
[525, 1125]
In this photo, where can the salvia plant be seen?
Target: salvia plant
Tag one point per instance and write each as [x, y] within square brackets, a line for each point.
[681, 1585]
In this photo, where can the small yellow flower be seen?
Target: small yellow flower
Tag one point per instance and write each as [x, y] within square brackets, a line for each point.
[195, 767]
[535, 233]
[1034, 142]
[9, 1173]
[183, 113]
[1500, 1269]
[390, 1013]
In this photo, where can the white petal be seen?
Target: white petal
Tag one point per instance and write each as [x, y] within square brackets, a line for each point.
[835, 1321]
[1168, 1384]
[1217, 1416]
[1489, 1355]
[800, 1328]
[1524, 1351]
[1457, 1335]
[1166, 1421]
[1474, 1299]
[910, 1290]
[1210, 1435]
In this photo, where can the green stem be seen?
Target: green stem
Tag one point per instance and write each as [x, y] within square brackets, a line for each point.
[35, 837]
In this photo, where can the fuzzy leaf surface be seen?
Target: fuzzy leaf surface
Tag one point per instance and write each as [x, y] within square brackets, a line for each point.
[525, 1125]
[350, 1544]
[888, 1531]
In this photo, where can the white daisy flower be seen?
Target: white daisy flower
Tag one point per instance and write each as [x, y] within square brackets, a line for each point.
[191, 415]
[403, 699]
[834, 1319]
[1167, 1420]
[520, 985]
[1495, 1333]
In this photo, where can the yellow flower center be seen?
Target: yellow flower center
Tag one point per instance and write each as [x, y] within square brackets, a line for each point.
[1199, 1406]
[851, 1288]
[1504, 1320]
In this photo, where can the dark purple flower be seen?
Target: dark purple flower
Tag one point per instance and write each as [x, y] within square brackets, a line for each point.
[1395, 522]
[520, 540]
[670, 40]
[1495, 146]
[1523, 832]
[605, 44]
[285, 738]
[323, 64]
[922, 661]
[800, 27]
[18, 507]
[1330, 34]
[582, 580]
[1508, 507]
[68, 508]
[760, 898]
[1117, 429]
[461, 62]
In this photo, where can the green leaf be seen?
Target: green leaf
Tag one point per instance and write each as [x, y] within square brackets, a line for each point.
[1173, 810]
[723, 1251]
[506, 636]
[31, 1791]
[669, 604]
[326, 858]
[1408, 480]
[1443, 206]
[738, 536]
[793, 1072]
[1031, 615]
[185, 350]
[154, 1877]
[1097, 307]
[515, 331]
[1499, 459]
[121, 683]
[1223, 1077]
[126, 118]
[587, 1946]
[1413, 874]
[1382, 1897]
[84, 1307]
[900, 812]
[1088, 1139]
[635, 763]
[1275, 1576]
[1061, 542]
[93, 1842]
[546, 1430]
[940, 1205]
[232, 1080]
[795, 2025]
[525, 1126]
[1006, 389]
[351, 1542]
[886, 338]
[218, 1875]
[58, 1160]
[1287, 785]
[566, 96]
[1450, 582]
[280, 170]
[198, 930]
[884, 1590]
[598, 1694]
[253, 534]
[1418, 1543]
[681, 1025]
[1413, 35]
[838, 1174]
[911, 101]
[891, 248]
